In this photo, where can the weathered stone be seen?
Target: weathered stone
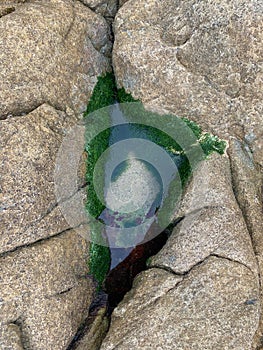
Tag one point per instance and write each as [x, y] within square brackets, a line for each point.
[10, 337]
[247, 180]
[214, 306]
[44, 288]
[200, 60]
[50, 52]
[95, 333]
[212, 224]
[106, 8]
[29, 206]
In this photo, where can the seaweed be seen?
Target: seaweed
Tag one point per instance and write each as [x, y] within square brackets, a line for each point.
[105, 94]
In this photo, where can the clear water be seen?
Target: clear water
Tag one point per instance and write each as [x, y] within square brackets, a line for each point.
[134, 188]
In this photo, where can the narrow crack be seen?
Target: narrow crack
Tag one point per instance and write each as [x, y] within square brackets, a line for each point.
[65, 291]
[24, 342]
[186, 273]
[26, 111]
[65, 37]
[54, 206]
[6, 11]
[99, 303]
[35, 243]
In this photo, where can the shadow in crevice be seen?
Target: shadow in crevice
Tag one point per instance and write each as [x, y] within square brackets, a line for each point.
[119, 280]
[6, 11]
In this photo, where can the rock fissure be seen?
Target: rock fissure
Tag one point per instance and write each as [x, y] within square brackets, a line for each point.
[35, 243]
[140, 85]
[6, 11]
[70, 27]
[24, 340]
[185, 273]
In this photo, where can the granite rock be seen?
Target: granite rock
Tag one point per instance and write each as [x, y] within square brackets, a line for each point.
[197, 60]
[29, 204]
[45, 291]
[212, 224]
[215, 305]
[52, 53]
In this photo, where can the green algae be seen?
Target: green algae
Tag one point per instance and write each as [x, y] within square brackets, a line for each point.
[105, 94]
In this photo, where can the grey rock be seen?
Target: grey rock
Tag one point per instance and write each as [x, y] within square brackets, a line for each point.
[106, 8]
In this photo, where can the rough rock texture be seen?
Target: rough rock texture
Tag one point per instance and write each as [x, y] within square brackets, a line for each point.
[190, 312]
[212, 224]
[29, 207]
[247, 180]
[213, 301]
[50, 52]
[196, 59]
[202, 60]
[95, 332]
[44, 293]
[10, 337]
[106, 8]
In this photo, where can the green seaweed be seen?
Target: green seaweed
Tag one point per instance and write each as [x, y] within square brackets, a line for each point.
[105, 94]
[123, 96]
